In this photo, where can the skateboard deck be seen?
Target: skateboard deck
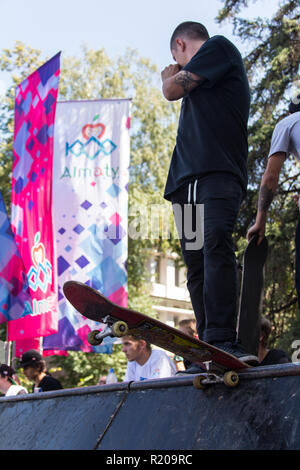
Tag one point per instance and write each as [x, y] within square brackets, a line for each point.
[93, 305]
[251, 294]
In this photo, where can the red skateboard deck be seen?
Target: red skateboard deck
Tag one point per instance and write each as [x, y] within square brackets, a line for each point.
[93, 305]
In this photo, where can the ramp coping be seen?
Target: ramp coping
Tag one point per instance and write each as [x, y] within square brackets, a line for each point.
[274, 371]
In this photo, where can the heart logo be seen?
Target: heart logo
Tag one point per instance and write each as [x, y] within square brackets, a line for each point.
[38, 254]
[38, 251]
[93, 130]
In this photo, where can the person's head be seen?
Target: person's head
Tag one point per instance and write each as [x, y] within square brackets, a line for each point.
[6, 377]
[265, 330]
[186, 40]
[33, 364]
[188, 326]
[294, 105]
[102, 380]
[135, 349]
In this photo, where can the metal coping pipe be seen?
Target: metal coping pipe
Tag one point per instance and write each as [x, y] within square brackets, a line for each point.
[274, 371]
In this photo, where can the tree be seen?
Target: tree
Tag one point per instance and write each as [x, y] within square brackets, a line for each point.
[94, 75]
[272, 64]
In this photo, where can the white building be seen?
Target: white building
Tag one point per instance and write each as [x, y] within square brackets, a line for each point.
[172, 299]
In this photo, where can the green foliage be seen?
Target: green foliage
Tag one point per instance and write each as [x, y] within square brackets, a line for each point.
[80, 369]
[19, 62]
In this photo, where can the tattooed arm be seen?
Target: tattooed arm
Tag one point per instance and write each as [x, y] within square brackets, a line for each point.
[267, 190]
[178, 83]
[265, 196]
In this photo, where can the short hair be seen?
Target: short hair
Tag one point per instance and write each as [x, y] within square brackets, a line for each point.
[265, 330]
[190, 29]
[40, 366]
[294, 105]
[136, 339]
[7, 371]
[190, 324]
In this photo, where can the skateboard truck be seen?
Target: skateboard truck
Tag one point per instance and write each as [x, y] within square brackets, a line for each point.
[229, 378]
[113, 329]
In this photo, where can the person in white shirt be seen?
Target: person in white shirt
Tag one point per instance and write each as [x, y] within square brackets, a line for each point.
[285, 141]
[145, 363]
[7, 384]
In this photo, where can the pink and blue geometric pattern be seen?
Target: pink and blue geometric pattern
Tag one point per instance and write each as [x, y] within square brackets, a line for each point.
[15, 300]
[32, 224]
[91, 217]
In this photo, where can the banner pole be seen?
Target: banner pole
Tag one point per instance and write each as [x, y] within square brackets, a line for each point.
[13, 353]
[41, 345]
[7, 351]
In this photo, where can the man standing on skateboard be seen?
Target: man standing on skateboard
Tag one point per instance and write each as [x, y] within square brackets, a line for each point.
[209, 168]
[285, 141]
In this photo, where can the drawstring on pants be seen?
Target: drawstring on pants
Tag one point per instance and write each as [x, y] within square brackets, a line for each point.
[194, 186]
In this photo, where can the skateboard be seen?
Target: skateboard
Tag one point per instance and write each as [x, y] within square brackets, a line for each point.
[121, 321]
[251, 295]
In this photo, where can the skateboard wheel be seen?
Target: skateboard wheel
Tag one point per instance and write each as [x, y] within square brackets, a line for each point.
[198, 382]
[92, 338]
[231, 379]
[120, 328]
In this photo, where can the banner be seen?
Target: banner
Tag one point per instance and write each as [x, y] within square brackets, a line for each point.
[15, 300]
[90, 187]
[32, 220]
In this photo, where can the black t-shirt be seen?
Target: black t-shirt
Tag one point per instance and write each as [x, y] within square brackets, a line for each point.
[212, 130]
[275, 356]
[49, 383]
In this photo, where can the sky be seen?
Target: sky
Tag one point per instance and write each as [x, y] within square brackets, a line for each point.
[112, 24]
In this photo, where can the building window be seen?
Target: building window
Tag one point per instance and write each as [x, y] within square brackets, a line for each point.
[155, 269]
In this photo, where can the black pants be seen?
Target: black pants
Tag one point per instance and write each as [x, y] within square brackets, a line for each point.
[208, 252]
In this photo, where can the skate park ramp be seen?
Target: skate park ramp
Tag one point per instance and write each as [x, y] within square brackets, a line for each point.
[261, 413]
